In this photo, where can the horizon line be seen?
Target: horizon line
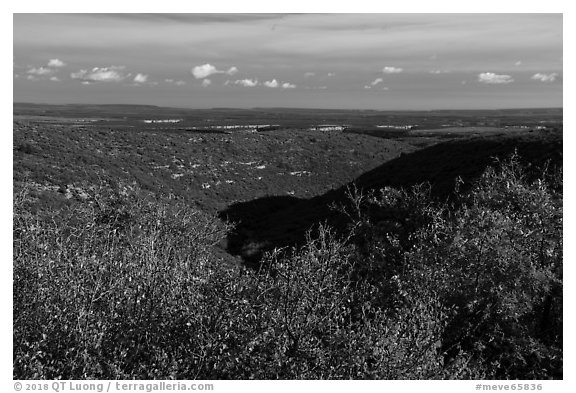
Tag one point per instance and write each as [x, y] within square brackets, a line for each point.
[296, 108]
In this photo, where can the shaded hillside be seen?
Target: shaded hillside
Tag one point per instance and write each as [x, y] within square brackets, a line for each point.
[270, 222]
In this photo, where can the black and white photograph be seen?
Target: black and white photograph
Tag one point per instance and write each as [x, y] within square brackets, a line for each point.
[286, 196]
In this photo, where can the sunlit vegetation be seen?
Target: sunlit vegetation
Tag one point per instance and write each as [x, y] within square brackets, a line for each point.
[126, 284]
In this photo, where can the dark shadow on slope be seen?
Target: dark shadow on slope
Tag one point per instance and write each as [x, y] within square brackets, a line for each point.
[266, 223]
[245, 240]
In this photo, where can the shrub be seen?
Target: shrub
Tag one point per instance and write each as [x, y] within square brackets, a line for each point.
[493, 258]
[102, 289]
[26, 148]
[127, 286]
[305, 316]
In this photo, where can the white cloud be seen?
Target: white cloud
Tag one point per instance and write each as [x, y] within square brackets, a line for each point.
[247, 82]
[175, 82]
[437, 72]
[16, 76]
[272, 84]
[309, 74]
[79, 74]
[206, 82]
[56, 63]
[494, 79]
[55, 79]
[205, 70]
[391, 70]
[331, 74]
[545, 77]
[141, 78]
[101, 74]
[31, 78]
[106, 74]
[39, 71]
[518, 63]
[376, 81]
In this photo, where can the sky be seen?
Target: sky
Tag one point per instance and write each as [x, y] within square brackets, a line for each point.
[343, 61]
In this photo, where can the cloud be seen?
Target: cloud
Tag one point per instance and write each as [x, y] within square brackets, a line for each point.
[309, 74]
[175, 82]
[39, 71]
[494, 79]
[101, 74]
[247, 82]
[79, 74]
[437, 72]
[141, 78]
[206, 82]
[544, 77]
[56, 63]
[272, 84]
[392, 70]
[55, 79]
[205, 70]
[518, 63]
[331, 74]
[376, 81]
